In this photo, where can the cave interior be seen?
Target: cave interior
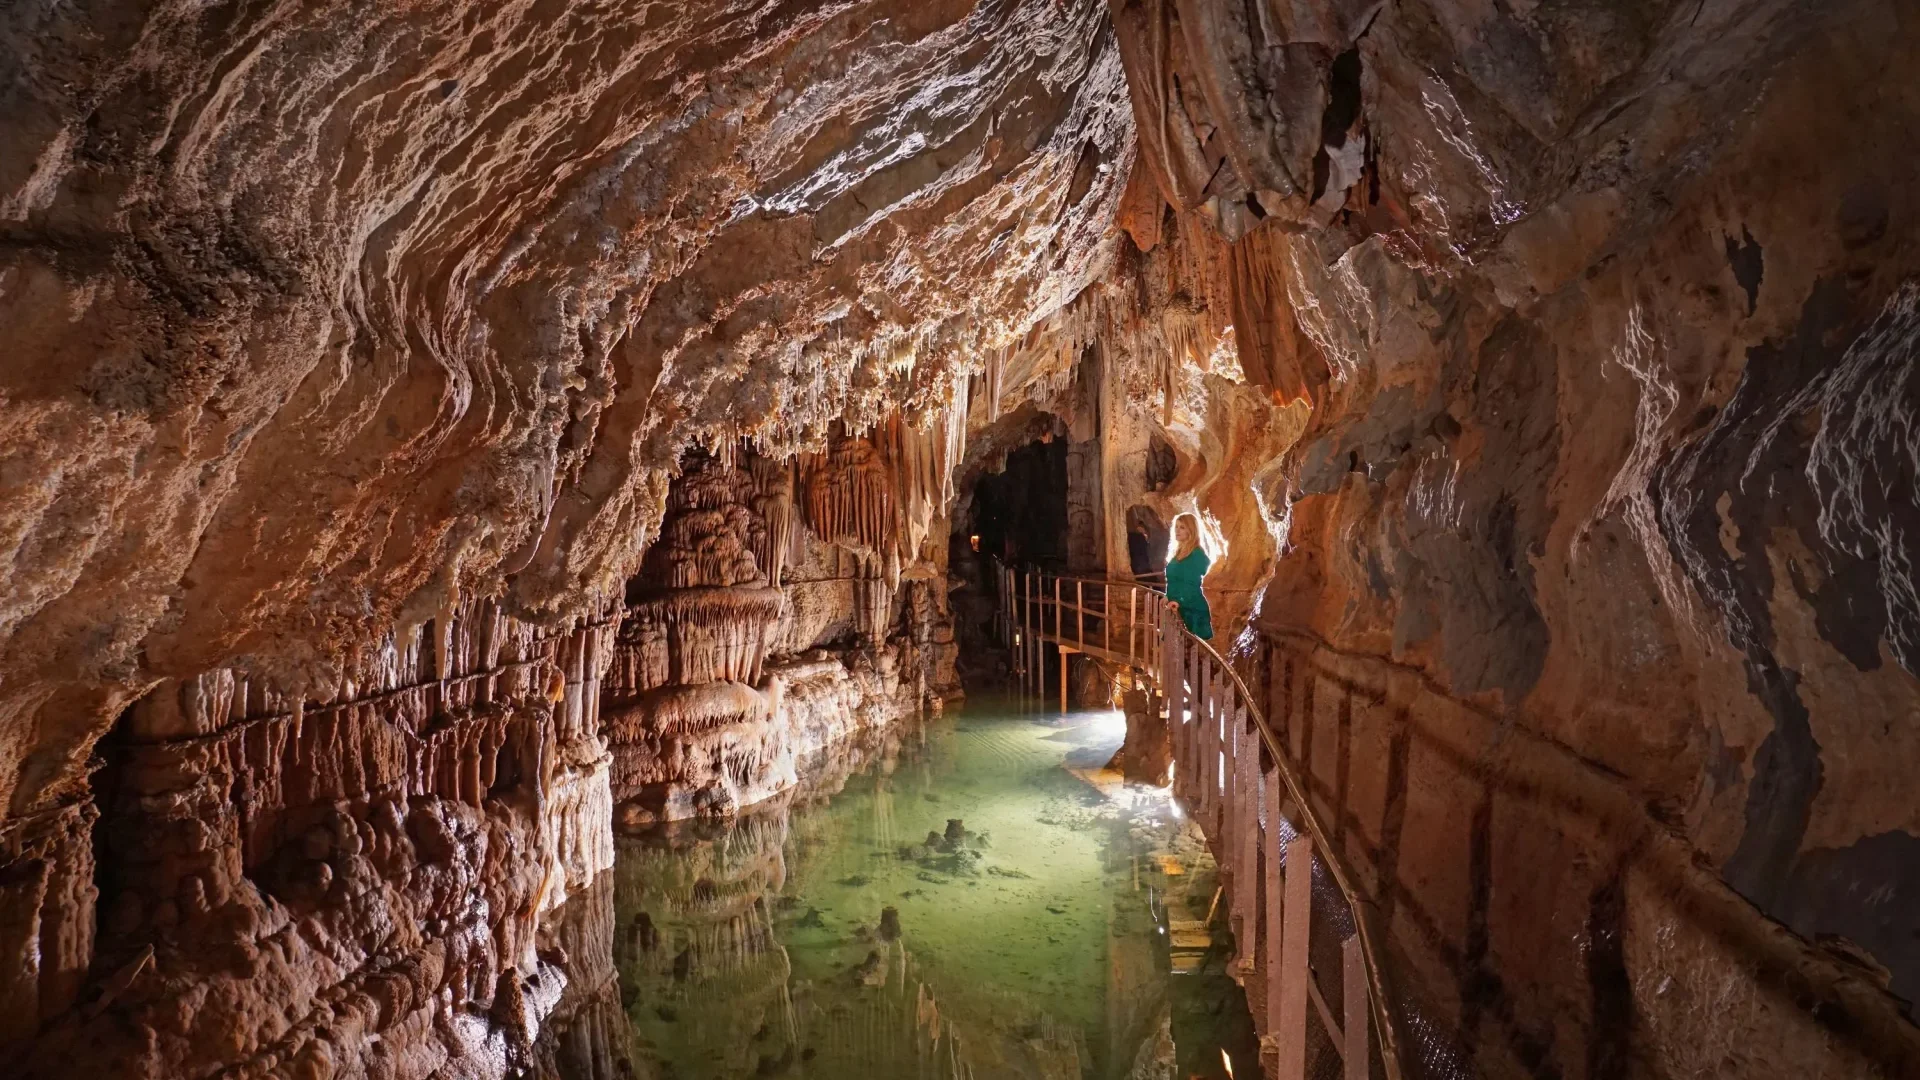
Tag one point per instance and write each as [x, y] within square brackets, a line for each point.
[441, 442]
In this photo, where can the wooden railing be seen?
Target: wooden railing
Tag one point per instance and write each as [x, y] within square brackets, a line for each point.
[1117, 621]
[1232, 774]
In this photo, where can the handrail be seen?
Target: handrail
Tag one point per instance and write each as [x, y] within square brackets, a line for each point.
[1033, 602]
[1362, 908]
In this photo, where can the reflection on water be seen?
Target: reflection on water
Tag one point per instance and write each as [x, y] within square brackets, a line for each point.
[947, 902]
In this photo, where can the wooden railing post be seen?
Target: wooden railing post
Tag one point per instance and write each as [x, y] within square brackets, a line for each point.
[1020, 628]
[1206, 755]
[1230, 817]
[1046, 629]
[1152, 643]
[1271, 885]
[1032, 636]
[1247, 864]
[1289, 1017]
[1133, 596]
[1196, 715]
[1038, 648]
[1190, 702]
[1173, 673]
[1353, 1001]
[1014, 641]
[1229, 767]
[1009, 615]
[1020, 618]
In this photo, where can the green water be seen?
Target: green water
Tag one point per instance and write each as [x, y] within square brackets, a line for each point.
[1025, 936]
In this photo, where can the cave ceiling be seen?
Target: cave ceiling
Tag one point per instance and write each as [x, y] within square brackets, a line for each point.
[322, 315]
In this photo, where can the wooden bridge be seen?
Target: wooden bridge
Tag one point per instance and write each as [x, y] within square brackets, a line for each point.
[1302, 944]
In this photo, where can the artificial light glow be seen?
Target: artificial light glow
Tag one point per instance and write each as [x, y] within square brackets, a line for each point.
[975, 541]
[1228, 1062]
[1109, 723]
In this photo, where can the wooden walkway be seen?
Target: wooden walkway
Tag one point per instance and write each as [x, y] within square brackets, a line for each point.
[1232, 775]
[1118, 622]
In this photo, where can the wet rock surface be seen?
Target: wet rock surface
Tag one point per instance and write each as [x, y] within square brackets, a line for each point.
[329, 324]
[1588, 562]
[429, 434]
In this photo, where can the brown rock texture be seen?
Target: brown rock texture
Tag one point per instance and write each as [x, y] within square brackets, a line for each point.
[349, 886]
[326, 323]
[321, 317]
[378, 377]
[726, 674]
[1594, 618]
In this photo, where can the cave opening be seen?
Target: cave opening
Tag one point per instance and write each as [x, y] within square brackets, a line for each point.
[1012, 512]
[1019, 514]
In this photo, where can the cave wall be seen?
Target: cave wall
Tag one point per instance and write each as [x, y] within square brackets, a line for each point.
[587, 1036]
[1182, 425]
[353, 884]
[328, 325]
[1593, 617]
[322, 318]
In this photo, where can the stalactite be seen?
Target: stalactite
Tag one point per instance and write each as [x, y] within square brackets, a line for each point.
[233, 805]
[850, 490]
[705, 603]
[953, 443]
[1274, 354]
[397, 727]
[996, 365]
[772, 504]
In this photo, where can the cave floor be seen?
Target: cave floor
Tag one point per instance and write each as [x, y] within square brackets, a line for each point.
[963, 903]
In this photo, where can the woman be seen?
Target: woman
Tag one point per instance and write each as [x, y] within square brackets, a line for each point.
[1184, 572]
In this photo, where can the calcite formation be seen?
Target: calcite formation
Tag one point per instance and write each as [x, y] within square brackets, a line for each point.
[724, 677]
[350, 884]
[1592, 617]
[328, 323]
[384, 386]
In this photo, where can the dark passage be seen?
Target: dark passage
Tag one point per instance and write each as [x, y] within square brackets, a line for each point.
[1020, 514]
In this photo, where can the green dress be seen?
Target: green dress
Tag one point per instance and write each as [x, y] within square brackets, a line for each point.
[1183, 588]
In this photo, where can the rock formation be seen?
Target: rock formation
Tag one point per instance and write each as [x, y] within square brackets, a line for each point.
[379, 378]
[331, 327]
[283, 879]
[1593, 616]
[725, 675]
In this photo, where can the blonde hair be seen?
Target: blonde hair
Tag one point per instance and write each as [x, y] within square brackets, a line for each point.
[1180, 550]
